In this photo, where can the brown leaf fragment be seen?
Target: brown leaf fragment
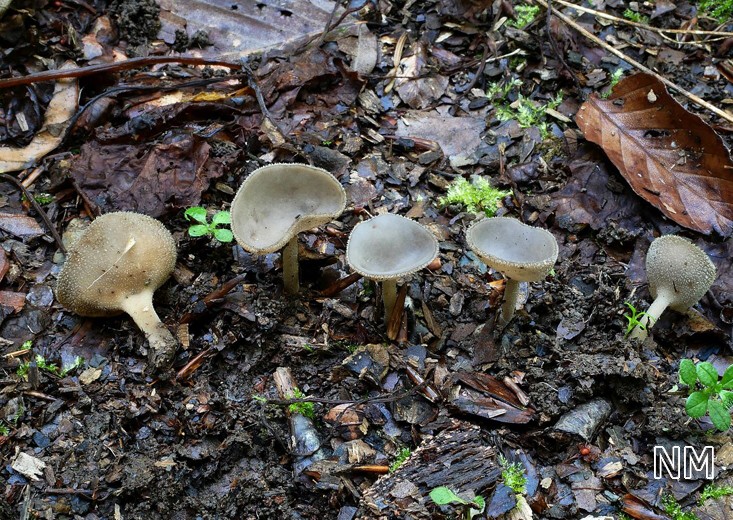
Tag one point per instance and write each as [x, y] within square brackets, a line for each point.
[669, 156]
[20, 225]
[637, 508]
[4, 264]
[12, 300]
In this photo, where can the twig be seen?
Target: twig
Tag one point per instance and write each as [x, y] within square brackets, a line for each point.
[38, 209]
[252, 82]
[689, 95]
[132, 63]
[643, 25]
[557, 52]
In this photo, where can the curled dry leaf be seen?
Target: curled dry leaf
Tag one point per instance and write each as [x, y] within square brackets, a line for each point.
[60, 110]
[669, 156]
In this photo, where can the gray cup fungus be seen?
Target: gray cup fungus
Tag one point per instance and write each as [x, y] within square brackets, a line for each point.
[388, 247]
[114, 267]
[679, 274]
[278, 201]
[520, 252]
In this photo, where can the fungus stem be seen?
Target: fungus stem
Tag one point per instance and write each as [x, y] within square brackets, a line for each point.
[290, 266]
[651, 316]
[389, 295]
[162, 343]
[511, 292]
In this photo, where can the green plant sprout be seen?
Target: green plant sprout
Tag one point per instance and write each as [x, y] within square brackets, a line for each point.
[708, 395]
[206, 228]
[526, 112]
[402, 456]
[444, 496]
[637, 17]
[304, 408]
[4, 430]
[714, 491]
[42, 364]
[525, 15]
[721, 10]
[477, 196]
[674, 510]
[614, 78]
[512, 474]
[634, 319]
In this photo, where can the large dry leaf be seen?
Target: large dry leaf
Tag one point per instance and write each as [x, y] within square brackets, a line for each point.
[670, 157]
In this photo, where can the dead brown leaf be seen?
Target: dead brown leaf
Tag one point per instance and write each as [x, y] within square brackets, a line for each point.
[669, 156]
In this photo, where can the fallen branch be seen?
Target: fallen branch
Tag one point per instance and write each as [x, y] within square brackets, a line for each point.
[689, 95]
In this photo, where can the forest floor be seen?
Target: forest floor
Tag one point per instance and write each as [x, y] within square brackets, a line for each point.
[405, 103]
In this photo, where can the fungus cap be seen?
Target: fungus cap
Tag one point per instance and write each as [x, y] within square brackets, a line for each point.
[681, 269]
[389, 246]
[278, 201]
[119, 255]
[518, 251]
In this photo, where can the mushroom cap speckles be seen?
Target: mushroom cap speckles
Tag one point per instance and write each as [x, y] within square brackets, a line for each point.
[278, 201]
[389, 246]
[680, 269]
[120, 254]
[518, 251]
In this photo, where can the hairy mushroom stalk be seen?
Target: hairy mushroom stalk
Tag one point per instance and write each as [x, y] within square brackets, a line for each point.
[389, 247]
[520, 252]
[679, 274]
[115, 266]
[278, 201]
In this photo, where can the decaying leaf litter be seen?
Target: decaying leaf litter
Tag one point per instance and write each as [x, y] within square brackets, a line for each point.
[398, 102]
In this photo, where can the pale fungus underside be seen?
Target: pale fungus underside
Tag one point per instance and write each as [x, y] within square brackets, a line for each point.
[389, 247]
[115, 267]
[520, 252]
[679, 274]
[278, 201]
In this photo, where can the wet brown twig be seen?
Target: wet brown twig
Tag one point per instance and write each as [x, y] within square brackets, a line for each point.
[132, 63]
[38, 208]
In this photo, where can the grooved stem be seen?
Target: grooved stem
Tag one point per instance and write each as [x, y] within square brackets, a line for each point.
[653, 313]
[389, 295]
[290, 266]
[511, 292]
[162, 343]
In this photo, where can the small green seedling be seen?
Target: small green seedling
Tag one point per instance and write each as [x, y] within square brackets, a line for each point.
[477, 196]
[444, 496]
[721, 10]
[713, 491]
[512, 474]
[402, 456]
[613, 81]
[305, 409]
[42, 364]
[525, 15]
[4, 430]
[636, 17]
[708, 395]
[634, 319]
[674, 510]
[206, 228]
[529, 113]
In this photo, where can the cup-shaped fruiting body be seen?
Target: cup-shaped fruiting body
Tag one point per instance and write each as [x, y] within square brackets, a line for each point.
[278, 201]
[520, 252]
[389, 247]
[115, 266]
[679, 274]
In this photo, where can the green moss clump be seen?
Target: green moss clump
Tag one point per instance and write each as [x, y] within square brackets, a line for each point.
[475, 196]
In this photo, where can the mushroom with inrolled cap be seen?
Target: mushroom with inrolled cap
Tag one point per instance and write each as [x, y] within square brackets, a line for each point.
[520, 252]
[679, 274]
[278, 201]
[115, 266]
[389, 247]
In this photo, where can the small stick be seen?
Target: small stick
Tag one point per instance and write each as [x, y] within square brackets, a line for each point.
[38, 209]
[132, 63]
[689, 95]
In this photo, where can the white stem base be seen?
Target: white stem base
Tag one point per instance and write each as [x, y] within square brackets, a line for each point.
[511, 293]
[162, 343]
[653, 313]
